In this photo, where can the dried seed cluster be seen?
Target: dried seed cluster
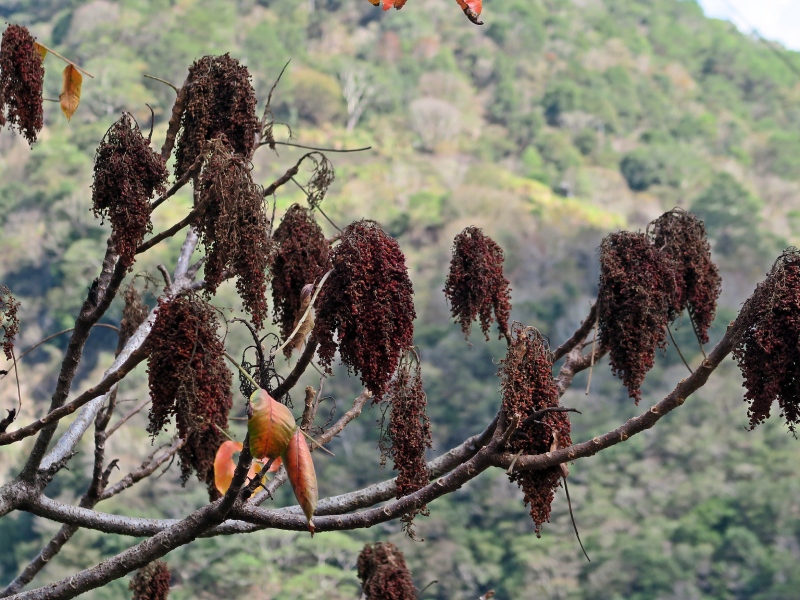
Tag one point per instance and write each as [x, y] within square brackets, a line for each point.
[368, 299]
[636, 284]
[133, 314]
[383, 573]
[151, 582]
[526, 375]
[220, 101]
[301, 257]
[21, 80]
[766, 347]
[681, 236]
[233, 228]
[9, 321]
[475, 285]
[127, 172]
[189, 380]
[408, 435]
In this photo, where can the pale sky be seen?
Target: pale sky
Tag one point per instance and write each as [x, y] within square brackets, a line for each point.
[775, 19]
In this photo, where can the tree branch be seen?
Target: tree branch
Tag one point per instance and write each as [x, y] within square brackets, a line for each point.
[579, 335]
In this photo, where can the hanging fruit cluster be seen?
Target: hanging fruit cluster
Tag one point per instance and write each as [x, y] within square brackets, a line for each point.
[151, 582]
[383, 573]
[189, 381]
[21, 80]
[475, 284]
[368, 303]
[9, 321]
[526, 375]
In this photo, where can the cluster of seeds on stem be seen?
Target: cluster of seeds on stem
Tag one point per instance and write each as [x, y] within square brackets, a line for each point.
[9, 321]
[300, 258]
[383, 573]
[526, 375]
[21, 80]
[189, 381]
[681, 237]
[766, 346]
[151, 582]
[127, 172]
[233, 228]
[475, 285]
[368, 301]
[220, 101]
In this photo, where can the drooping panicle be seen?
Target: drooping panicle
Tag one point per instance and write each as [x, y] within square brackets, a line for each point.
[151, 582]
[21, 81]
[633, 305]
[408, 434]
[9, 321]
[766, 344]
[526, 375]
[189, 381]
[127, 172]
[220, 101]
[383, 573]
[233, 228]
[134, 314]
[368, 301]
[300, 257]
[475, 285]
[681, 237]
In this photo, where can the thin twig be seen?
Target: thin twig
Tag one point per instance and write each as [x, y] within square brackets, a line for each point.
[126, 417]
[16, 376]
[66, 60]
[434, 582]
[242, 371]
[697, 335]
[574, 525]
[316, 443]
[674, 343]
[164, 81]
[594, 345]
[322, 149]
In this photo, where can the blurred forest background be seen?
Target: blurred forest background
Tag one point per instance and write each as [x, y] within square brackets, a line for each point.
[552, 125]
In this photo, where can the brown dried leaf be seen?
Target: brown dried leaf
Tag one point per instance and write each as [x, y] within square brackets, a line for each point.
[41, 50]
[70, 96]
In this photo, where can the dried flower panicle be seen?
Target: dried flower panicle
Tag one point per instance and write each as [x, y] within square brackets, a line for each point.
[321, 180]
[189, 381]
[369, 300]
[633, 305]
[134, 314]
[127, 172]
[151, 582]
[766, 345]
[383, 573]
[301, 257]
[233, 228]
[21, 81]
[408, 435]
[681, 236]
[9, 321]
[526, 375]
[475, 285]
[220, 101]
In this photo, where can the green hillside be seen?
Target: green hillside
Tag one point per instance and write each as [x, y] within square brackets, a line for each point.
[552, 125]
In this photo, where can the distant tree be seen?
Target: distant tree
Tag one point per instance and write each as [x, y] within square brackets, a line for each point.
[350, 296]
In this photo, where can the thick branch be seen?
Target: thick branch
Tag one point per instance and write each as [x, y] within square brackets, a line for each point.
[175, 120]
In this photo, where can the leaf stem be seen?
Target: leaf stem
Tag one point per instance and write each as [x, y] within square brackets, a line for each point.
[66, 60]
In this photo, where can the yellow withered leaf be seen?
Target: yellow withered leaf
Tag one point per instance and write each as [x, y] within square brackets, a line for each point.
[40, 50]
[70, 91]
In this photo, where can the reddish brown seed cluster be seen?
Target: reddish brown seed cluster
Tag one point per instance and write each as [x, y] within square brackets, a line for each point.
[220, 101]
[9, 321]
[526, 375]
[681, 236]
[233, 229]
[21, 79]
[127, 172]
[151, 582]
[476, 285]
[766, 345]
[409, 433]
[383, 573]
[369, 300]
[633, 305]
[188, 380]
[301, 257]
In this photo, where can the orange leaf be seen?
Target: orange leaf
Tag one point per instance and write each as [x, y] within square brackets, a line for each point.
[300, 469]
[70, 91]
[398, 4]
[387, 4]
[270, 426]
[374, 2]
[40, 50]
[224, 466]
[472, 8]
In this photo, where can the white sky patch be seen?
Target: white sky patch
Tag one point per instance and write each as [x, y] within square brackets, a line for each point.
[775, 19]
